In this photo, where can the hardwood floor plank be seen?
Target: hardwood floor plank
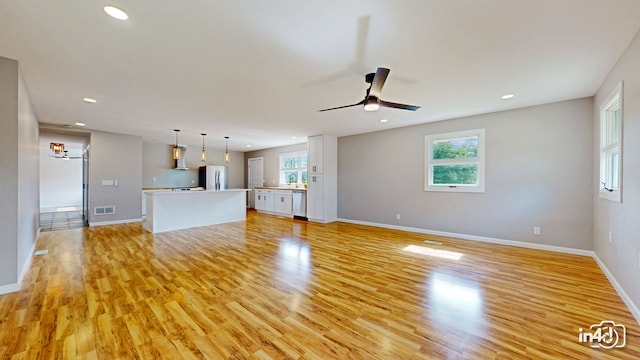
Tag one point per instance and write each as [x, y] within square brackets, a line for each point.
[275, 288]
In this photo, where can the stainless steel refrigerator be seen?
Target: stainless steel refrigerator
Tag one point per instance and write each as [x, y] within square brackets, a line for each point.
[212, 177]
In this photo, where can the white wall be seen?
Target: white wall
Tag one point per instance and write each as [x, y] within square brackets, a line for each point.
[60, 182]
[28, 170]
[621, 256]
[538, 173]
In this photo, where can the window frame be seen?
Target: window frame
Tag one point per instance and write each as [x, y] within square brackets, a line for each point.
[299, 169]
[479, 187]
[610, 145]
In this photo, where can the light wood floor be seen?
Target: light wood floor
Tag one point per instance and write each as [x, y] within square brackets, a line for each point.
[278, 288]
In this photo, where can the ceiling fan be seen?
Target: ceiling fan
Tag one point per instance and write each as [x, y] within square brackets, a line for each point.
[372, 101]
[66, 156]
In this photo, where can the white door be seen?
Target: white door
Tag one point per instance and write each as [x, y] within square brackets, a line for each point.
[256, 178]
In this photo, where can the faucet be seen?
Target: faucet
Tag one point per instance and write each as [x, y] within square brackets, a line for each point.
[295, 176]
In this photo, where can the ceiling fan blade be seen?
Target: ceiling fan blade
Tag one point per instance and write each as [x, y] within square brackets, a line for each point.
[342, 107]
[398, 106]
[378, 82]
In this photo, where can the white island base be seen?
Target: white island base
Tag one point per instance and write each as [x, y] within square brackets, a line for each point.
[175, 210]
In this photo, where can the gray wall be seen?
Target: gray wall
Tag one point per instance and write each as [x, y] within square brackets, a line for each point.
[28, 175]
[157, 162]
[18, 174]
[271, 162]
[621, 256]
[538, 173]
[9, 171]
[115, 157]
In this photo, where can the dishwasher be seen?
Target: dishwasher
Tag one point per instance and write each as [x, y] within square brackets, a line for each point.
[300, 204]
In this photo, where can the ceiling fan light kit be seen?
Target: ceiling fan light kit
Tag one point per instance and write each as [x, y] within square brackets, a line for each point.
[57, 148]
[372, 101]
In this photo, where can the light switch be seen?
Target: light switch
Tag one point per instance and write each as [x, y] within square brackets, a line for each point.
[107, 182]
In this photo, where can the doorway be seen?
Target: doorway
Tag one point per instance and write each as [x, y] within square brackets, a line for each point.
[256, 178]
[63, 175]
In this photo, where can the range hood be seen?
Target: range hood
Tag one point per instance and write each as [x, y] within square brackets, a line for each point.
[181, 164]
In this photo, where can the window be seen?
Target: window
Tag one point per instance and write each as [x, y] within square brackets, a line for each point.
[455, 161]
[611, 146]
[293, 168]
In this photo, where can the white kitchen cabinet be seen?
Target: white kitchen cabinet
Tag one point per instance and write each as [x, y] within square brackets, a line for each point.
[322, 167]
[259, 199]
[315, 203]
[272, 201]
[282, 204]
[315, 154]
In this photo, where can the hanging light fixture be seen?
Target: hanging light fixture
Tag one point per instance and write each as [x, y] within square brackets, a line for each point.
[57, 148]
[226, 149]
[176, 149]
[203, 153]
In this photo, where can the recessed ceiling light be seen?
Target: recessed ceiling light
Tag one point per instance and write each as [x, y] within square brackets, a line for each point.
[294, 137]
[507, 96]
[81, 124]
[114, 12]
[89, 100]
[384, 120]
[249, 145]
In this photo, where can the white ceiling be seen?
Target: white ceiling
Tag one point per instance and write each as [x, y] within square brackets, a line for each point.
[258, 70]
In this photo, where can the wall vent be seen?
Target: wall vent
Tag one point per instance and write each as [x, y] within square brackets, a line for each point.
[104, 210]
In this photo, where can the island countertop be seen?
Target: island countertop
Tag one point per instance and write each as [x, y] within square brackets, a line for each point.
[174, 210]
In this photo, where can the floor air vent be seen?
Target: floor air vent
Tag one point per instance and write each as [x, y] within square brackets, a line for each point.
[104, 210]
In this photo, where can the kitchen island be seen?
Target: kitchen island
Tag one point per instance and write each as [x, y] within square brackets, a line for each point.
[174, 210]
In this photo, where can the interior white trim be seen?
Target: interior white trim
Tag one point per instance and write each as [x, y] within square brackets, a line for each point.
[114, 222]
[623, 295]
[5, 289]
[27, 264]
[561, 249]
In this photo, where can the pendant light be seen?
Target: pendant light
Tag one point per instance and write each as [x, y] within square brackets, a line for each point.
[203, 153]
[226, 149]
[176, 149]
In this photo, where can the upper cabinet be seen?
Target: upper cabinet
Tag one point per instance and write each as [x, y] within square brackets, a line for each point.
[315, 154]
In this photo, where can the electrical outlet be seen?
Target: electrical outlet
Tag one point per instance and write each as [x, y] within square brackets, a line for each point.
[536, 230]
[397, 216]
[154, 179]
[610, 236]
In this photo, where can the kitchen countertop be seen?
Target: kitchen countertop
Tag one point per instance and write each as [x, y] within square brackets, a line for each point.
[280, 188]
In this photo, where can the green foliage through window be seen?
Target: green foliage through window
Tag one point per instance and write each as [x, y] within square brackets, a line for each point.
[455, 174]
[456, 148]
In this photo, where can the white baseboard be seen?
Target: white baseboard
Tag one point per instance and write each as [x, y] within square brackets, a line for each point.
[523, 244]
[623, 295]
[27, 264]
[114, 222]
[5, 289]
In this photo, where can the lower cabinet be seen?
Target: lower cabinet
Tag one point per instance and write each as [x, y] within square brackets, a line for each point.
[278, 202]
